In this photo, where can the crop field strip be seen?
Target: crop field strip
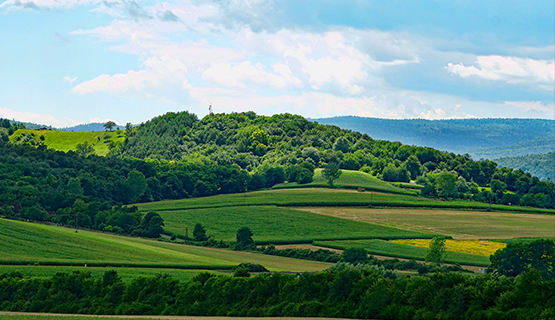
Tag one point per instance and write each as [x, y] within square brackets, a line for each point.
[272, 224]
[456, 223]
[25, 242]
[324, 197]
[475, 247]
[390, 249]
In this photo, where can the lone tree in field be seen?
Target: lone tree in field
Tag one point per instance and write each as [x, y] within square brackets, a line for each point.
[436, 250]
[244, 237]
[109, 125]
[199, 234]
[331, 172]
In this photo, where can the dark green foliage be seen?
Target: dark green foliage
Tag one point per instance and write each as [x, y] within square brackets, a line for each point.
[305, 254]
[331, 172]
[539, 165]
[244, 237]
[347, 291]
[436, 251]
[523, 256]
[355, 255]
[152, 226]
[199, 233]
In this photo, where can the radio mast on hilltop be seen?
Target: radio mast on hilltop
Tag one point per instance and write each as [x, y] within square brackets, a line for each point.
[210, 109]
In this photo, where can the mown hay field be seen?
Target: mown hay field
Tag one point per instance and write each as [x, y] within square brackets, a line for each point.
[460, 224]
[388, 248]
[276, 225]
[25, 242]
[322, 197]
[475, 247]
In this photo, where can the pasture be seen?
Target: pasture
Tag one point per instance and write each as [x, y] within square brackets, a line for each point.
[30, 243]
[350, 179]
[66, 140]
[390, 249]
[456, 223]
[271, 224]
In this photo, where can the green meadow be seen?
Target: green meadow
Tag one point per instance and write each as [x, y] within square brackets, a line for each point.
[271, 224]
[67, 140]
[36, 244]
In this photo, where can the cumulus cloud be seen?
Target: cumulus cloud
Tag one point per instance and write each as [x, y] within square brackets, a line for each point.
[157, 70]
[509, 69]
[534, 106]
[69, 79]
[239, 75]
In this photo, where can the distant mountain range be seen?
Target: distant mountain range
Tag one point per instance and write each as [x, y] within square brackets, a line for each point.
[481, 138]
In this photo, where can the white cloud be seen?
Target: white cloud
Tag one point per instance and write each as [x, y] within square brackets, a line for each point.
[534, 106]
[156, 70]
[99, 120]
[39, 118]
[509, 70]
[69, 79]
[239, 75]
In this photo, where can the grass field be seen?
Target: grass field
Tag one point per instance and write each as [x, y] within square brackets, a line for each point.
[66, 140]
[276, 224]
[322, 197]
[387, 248]
[350, 179]
[24, 242]
[125, 273]
[458, 224]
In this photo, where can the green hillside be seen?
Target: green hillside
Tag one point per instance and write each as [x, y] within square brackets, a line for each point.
[539, 145]
[67, 140]
[28, 243]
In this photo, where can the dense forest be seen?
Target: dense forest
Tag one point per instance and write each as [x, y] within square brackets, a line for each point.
[178, 156]
[481, 138]
[343, 291]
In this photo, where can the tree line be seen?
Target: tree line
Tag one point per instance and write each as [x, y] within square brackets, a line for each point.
[344, 291]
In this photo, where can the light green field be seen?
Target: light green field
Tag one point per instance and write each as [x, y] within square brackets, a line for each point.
[67, 140]
[276, 224]
[350, 179]
[125, 273]
[456, 223]
[390, 249]
[322, 197]
[25, 242]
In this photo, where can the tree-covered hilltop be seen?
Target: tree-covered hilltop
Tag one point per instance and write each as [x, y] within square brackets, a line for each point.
[256, 143]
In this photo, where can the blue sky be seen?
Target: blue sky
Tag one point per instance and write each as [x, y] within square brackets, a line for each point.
[66, 62]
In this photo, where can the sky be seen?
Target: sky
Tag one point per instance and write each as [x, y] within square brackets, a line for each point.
[66, 62]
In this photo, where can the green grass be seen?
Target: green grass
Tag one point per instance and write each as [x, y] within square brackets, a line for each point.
[25, 242]
[390, 249]
[80, 317]
[126, 274]
[67, 140]
[323, 197]
[350, 179]
[276, 224]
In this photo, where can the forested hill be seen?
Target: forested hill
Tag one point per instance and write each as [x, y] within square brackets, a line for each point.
[540, 165]
[459, 136]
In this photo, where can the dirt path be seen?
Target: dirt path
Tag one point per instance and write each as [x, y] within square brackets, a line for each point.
[155, 317]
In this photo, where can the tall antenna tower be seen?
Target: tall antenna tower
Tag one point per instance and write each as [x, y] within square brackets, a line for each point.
[210, 109]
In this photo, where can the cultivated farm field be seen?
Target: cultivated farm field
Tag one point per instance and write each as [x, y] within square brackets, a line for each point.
[30, 243]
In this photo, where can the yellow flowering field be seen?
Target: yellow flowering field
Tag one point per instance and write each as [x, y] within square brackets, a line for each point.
[476, 247]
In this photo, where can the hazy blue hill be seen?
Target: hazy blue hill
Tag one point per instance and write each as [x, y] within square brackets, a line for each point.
[89, 127]
[535, 146]
[540, 165]
[30, 125]
[459, 136]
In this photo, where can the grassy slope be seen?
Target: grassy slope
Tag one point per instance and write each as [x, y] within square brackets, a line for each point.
[276, 224]
[23, 241]
[350, 179]
[456, 223]
[67, 140]
[386, 248]
[322, 197]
